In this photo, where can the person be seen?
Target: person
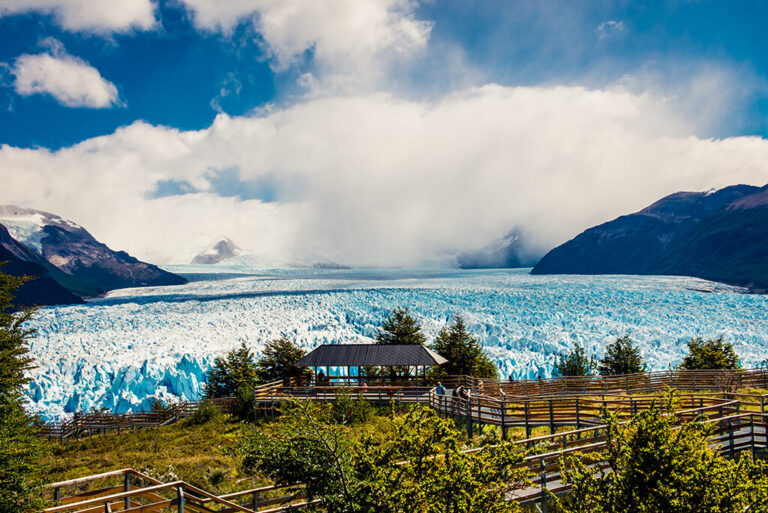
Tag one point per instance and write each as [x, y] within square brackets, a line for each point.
[321, 377]
[440, 389]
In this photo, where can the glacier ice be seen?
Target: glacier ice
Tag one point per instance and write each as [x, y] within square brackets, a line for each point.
[134, 345]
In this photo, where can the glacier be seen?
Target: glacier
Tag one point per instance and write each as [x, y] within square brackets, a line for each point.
[122, 351]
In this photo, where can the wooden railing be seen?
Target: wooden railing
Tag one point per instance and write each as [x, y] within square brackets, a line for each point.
[129, 490]
[88, 424]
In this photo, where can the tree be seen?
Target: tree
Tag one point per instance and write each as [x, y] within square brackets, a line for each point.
[710, 354]
[575, 362]
[420, 467]
[621, 357]
[21, 451]
[400, 328]
[279, 361]
[463, 351]
[657, 466]
[237, 371]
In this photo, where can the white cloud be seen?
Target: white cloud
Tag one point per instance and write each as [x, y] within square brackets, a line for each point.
[71, 81]
[351, 40]
[373, 179]
[99, 16]
[609, 28]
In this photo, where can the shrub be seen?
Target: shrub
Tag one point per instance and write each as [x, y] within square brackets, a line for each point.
[206, 412]
[349, 410]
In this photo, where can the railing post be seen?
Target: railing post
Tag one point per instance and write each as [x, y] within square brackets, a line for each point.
[107, 508]
[255, 503]
[127, 488]
[752, 435]
[181, 499]
[503, 420]
[57, 496]
[543, 473]
[527, 424]
[551, 419]
[732, 450]
[578, 420]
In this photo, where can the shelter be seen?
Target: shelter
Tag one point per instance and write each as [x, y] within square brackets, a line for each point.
[371, 355]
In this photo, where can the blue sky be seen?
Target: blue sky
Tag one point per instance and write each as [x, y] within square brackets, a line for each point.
[172, 75]
[372, 132]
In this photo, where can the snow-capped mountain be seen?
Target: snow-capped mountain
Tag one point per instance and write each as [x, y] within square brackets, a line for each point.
[222, 250]
[72, 257]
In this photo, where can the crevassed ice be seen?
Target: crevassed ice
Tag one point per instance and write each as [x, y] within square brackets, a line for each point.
[134, 345]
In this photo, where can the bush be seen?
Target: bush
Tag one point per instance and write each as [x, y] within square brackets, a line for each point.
[710, 354]
[206, 412]
[349, 410]
[656, 466]
[621, 357]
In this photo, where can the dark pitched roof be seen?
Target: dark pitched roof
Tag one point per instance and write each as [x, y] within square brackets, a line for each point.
[361, 355]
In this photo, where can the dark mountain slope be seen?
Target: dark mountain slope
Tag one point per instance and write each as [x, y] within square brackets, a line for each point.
[720, 236]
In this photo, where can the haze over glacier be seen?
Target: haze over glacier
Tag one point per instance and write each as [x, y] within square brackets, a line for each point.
[122, 351]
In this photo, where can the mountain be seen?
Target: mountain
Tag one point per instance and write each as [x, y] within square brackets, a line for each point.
[222, 250]
[73, 258]
[42, 290]
[508, 251]
[716, 235]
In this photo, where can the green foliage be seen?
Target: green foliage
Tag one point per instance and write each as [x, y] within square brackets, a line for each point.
[418, 468]
[400, 328]
[229, 374]
[575, 362]
[279, 361]
[349, 410]
[20, 450]
[656, 466]
[621, 357]
[710, 354]
[206, 412]
[463, 351]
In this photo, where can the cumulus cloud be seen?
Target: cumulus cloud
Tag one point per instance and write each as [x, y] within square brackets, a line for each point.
[70, 80]
[350, 40]
[88, 15]
[378, 180]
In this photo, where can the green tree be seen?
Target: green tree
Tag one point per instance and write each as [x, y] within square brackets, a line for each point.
[400, 328]
[237, 371]
[279, 361]
[575, 362]
[710, 354]
[463, 351]
[418, 468]
[621, 357]
[657, 466]
[21, 451]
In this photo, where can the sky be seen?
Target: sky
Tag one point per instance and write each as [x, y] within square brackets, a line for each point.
[372, 132]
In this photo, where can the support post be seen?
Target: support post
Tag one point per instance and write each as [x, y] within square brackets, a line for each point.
[752, 435]
[551, 419]
[578, 420]
[503, 420]
[527, 424]
[181, 499]
[543, 473]
[255, 503]
[127, 488]
[57, 496]
[731, 449]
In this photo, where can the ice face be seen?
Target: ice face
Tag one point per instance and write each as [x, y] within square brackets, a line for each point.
[134, 345]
